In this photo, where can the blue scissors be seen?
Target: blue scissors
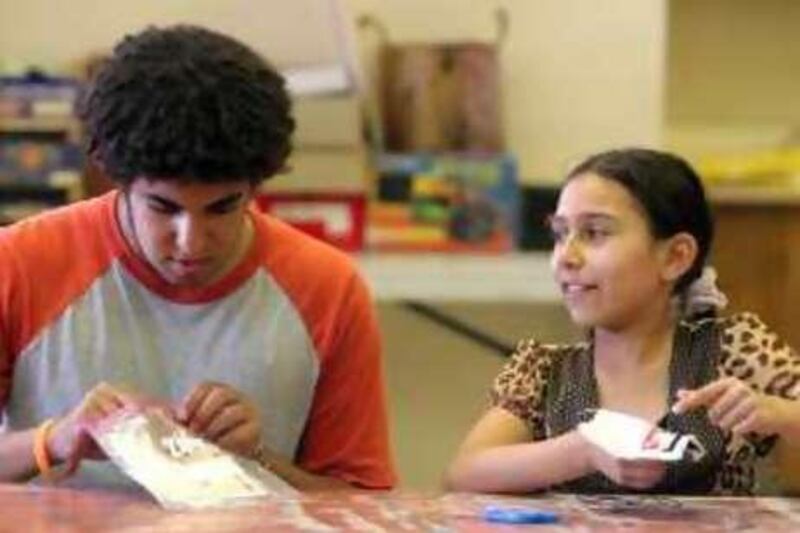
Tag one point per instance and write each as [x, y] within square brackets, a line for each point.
[517, 515]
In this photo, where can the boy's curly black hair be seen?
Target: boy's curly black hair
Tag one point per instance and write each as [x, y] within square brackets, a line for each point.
[187, 104]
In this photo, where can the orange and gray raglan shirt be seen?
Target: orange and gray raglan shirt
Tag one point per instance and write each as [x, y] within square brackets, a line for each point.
[292, 326]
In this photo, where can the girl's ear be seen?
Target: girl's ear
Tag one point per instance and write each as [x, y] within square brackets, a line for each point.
[679, 253]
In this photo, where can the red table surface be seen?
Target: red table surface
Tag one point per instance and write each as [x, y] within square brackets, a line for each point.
[39, 509]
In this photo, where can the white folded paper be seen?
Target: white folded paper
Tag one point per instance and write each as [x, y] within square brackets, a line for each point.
[629, 437]
[178, 468]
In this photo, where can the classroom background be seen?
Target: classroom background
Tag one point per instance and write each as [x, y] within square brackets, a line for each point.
[432, 135]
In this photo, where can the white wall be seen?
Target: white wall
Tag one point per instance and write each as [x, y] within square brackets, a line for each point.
[578, 75]
[734, 60]
[58, 35]
[733, 76]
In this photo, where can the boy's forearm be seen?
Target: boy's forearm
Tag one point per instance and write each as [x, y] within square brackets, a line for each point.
[295, 476]
[17, 461]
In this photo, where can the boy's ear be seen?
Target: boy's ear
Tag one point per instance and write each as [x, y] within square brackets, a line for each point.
[93, 155]
[679, 251]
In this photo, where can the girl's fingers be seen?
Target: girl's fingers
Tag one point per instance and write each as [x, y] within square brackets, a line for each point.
[736, 415]
[726, 403]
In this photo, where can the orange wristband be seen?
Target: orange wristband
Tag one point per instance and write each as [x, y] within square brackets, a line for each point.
[40, 454]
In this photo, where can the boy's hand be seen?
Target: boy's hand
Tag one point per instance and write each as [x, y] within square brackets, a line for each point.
[223, 415]
[70, 439]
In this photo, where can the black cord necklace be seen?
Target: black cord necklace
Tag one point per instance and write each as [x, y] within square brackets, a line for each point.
[131, 223]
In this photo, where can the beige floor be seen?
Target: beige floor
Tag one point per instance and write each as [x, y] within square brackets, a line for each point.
[437, 381]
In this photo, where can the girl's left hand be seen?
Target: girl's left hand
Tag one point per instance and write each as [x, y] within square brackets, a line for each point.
[733, 406]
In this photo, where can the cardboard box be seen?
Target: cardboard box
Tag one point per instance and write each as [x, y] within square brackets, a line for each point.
[319, 169]
[327, 121]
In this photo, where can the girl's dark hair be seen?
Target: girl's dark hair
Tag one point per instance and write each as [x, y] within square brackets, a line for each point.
[185, 103]
[669, 191]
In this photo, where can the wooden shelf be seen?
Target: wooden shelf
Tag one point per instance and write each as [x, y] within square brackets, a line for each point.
[66, 126]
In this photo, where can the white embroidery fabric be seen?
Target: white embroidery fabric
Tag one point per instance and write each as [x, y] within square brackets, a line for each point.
[178, 468]
[632, 438]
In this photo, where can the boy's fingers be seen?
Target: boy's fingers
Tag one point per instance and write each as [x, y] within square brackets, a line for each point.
[192, 401]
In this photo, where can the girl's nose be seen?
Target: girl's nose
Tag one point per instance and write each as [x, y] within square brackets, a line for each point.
[568, 253]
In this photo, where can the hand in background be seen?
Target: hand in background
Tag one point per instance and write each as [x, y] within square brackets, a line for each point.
[733, 406]
[224, 416]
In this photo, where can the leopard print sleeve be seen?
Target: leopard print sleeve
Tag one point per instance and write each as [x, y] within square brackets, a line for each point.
[519, 388]
[754, 354]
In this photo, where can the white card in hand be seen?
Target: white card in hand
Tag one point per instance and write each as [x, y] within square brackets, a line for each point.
[629, 437]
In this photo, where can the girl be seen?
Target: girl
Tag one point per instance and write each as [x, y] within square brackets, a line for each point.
[632, 233]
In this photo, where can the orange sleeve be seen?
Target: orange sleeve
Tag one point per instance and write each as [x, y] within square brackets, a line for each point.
[45, 263]
[347, 432]
[9, 287]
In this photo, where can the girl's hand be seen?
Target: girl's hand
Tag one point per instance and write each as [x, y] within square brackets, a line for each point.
[634, 473]
[733, 407]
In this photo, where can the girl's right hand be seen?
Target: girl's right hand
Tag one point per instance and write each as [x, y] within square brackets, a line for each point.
[634, 473]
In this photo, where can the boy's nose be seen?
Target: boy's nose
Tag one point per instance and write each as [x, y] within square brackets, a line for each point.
[190, 237]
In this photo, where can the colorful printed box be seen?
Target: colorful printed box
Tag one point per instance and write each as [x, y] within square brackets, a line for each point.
[448, 203]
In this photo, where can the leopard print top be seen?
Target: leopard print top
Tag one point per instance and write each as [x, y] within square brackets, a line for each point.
[550, 387]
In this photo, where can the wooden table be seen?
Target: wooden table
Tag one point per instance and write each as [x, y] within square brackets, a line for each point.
[46, 509]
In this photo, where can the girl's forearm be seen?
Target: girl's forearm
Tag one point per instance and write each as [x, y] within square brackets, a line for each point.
[521, 467]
